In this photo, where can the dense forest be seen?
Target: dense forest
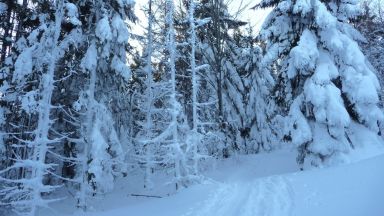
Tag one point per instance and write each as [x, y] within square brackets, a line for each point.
[82, 106]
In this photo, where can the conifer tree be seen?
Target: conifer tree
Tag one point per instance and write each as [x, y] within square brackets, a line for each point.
[105, 35]
[147, 129]
[36, 62]
[324, 81]
[371, 24]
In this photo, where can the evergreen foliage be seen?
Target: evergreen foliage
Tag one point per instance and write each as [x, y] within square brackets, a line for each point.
[82, 105]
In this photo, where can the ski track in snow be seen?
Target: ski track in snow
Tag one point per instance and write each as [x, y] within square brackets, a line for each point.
[271, 196]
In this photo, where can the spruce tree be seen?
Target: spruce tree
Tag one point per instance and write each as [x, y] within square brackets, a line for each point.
[32, 80]
[101, 101]
[324, 80]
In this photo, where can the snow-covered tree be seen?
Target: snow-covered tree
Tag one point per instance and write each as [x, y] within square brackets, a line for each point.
[324, 80]
[36, 63]
[106, 34]
[371, 25]
[194, 140]
[216, 50]
[66, 81]
[177, 155]
[147, 128]
[81, 106]
[247, 91]
[160, 113]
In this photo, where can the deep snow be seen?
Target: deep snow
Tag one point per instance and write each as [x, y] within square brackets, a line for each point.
[267, 184]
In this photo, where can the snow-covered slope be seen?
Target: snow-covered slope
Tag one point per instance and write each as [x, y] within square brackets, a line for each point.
[356, 189]
[260, 185]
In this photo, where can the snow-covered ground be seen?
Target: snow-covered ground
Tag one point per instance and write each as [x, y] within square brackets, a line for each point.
[267, 184]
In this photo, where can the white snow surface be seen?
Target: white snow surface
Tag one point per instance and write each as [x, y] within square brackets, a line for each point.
[72, 13]
[103, 30]
[266, 184]
[23, 65]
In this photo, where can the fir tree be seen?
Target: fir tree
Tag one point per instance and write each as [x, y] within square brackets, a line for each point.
[324, 80]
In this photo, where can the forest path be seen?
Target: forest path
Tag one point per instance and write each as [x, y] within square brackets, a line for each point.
[270, 196]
